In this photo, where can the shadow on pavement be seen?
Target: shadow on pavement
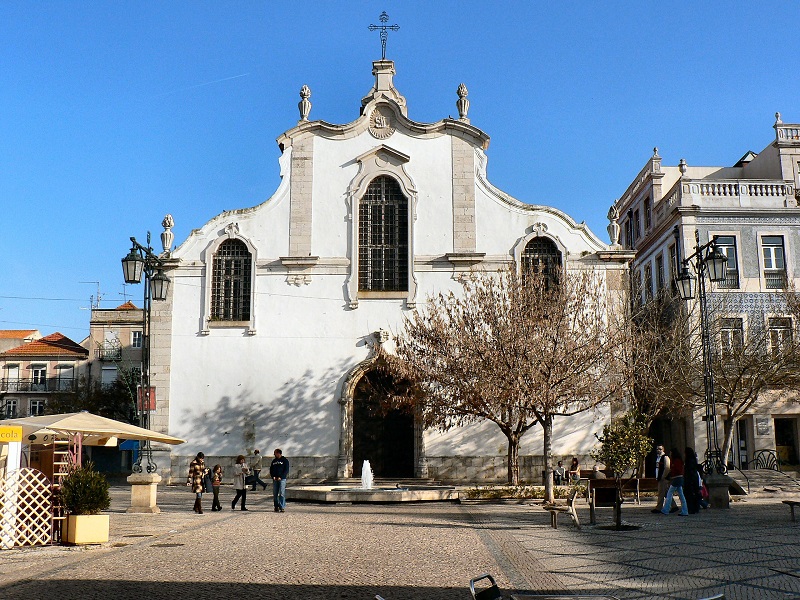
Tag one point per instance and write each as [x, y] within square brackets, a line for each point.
[204, 590]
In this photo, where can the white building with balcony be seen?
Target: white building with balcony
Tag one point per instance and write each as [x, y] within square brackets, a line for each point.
[752, 208]
[34, 370]
[266, 339]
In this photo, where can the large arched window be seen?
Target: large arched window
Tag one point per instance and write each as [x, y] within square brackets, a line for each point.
[541, 255]
[383, 237]
[231, 282]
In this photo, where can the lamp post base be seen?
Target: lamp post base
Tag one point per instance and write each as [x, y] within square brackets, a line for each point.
[719, 490]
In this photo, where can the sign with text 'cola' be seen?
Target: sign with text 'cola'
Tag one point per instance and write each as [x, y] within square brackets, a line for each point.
[10, 433]
[147, 400]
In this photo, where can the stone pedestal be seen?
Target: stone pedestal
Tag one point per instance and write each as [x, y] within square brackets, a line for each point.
[718, 490]
[143, 492]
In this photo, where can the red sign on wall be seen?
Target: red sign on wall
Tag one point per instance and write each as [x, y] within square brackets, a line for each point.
[146, 401]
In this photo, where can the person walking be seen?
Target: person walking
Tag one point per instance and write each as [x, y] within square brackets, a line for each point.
[197, 473]
[691, 481]
[240, 471]
[662, 476]
[675, 483]
[279, 470]
[255, 467]
[216, 481]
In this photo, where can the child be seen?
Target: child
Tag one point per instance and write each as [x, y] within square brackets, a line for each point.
[216, 480]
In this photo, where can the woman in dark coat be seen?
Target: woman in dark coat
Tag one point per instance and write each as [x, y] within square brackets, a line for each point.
[691, 481]
[197, 473]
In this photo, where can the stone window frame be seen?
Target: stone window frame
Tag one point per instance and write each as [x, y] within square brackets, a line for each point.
[737, 247]
[538, 231]
[381, 160]
[787, 257]
[230, 232]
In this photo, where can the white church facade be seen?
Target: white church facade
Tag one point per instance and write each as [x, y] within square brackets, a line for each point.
[274, 311]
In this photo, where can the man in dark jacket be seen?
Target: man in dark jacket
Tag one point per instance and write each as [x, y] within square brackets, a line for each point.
[279, 470]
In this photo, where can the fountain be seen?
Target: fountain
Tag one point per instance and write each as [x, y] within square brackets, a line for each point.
[345, 494]
[366, 476]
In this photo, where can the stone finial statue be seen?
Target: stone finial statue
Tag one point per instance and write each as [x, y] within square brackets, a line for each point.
[613, 226]
[682, 166]
[655, 152]
[167, 237]
[778, 119]
[305, 104]
[462, 103]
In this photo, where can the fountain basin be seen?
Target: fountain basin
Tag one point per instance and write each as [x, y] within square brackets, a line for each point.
[378, 495]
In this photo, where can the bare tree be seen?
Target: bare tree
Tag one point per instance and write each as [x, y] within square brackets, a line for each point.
[753, 352]
[512, 350]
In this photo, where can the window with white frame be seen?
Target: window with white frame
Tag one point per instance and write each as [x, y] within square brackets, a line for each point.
[673, 266]
[65, 377]
[136, 339]
[648, 214]
[727, 245]
[36, 407]
[108, 376]
[39, 377]
[541, 256]
[637, 232]
[731, 333]
[11, 382]
[648, 282]
[780, 333]
[772, 252]
[10, 408]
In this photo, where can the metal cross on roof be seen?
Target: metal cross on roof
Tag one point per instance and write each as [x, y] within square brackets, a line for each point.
[384, 29]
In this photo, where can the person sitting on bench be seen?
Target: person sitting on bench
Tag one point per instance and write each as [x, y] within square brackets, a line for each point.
[575, 470]
[559, 474]
[597, 473]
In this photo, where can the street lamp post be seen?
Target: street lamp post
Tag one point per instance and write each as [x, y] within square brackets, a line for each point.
[707, 262]
[141, 260]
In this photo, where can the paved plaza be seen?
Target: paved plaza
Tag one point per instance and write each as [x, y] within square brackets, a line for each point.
[412, 551]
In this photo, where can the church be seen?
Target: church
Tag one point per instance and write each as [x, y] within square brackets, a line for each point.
[275, 311]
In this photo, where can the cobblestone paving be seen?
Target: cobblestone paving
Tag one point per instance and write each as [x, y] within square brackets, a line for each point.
[413, 551]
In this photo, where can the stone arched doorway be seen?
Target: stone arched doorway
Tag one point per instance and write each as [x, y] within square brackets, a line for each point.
[383, 436]
[375, 435]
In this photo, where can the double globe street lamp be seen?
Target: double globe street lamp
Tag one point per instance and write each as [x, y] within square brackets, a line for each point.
[707, 261]
[142, 261]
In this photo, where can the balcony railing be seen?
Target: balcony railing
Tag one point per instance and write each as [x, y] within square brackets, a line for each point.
[775, 280]
[731, 281]
[50, 384]
[108, 353]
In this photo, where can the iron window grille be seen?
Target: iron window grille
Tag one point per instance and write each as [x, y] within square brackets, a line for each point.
[383, 237]
[231, 282]
[541, 256]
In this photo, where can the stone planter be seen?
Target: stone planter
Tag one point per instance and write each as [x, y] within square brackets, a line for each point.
[85, 529]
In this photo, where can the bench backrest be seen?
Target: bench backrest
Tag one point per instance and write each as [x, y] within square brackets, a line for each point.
[604, 496]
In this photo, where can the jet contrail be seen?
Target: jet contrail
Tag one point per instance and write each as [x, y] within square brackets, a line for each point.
[205, 83]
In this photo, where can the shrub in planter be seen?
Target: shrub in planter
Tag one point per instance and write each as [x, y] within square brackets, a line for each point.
[84, 493]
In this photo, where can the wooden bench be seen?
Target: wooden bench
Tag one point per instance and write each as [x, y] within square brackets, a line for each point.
[792, 504]
[569, 509]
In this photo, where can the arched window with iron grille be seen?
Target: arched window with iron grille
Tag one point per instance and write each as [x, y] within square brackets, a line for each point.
[541, 256]
[231, 282]
[383, 237]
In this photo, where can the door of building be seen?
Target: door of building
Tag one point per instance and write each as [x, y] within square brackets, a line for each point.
[383, 437]
[786, 440]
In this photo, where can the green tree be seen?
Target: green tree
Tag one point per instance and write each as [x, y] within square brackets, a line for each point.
[622, 448]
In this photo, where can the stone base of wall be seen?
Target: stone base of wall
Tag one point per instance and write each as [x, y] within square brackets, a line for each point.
[447, 469]
[311, 468]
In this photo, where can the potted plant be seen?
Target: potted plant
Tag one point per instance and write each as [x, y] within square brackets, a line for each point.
[84, 493]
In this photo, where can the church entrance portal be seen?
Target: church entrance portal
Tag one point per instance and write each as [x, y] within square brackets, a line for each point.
[384, 438]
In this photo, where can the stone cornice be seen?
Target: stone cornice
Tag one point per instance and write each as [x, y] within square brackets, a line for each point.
[403, 124]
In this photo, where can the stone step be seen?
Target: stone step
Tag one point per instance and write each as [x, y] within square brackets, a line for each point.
[756, 481]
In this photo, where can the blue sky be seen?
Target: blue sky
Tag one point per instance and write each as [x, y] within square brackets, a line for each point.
[116, 113]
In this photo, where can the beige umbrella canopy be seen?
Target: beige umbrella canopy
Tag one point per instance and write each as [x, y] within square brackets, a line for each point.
[93, 427]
